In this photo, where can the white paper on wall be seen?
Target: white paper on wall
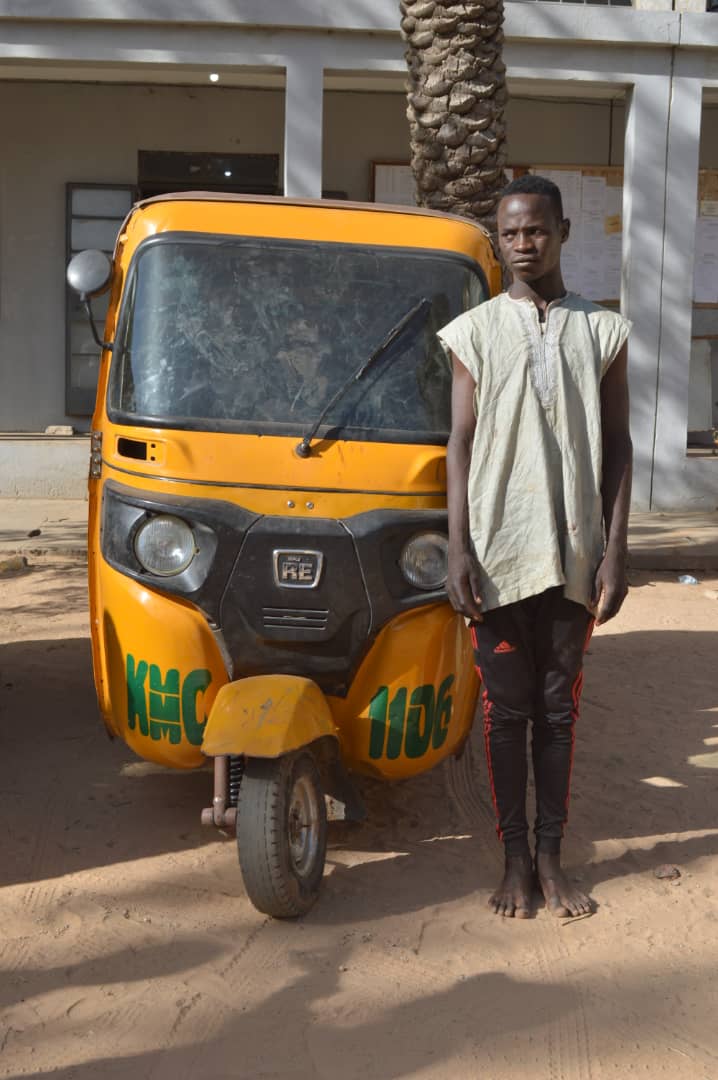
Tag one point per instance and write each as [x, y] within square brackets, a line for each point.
[571, 270]
[593, 271]
[394, 184]
[569, 184]
[614, 201]
[705, 290]
[592, 229]
[593, 195]
[705, 276]
[613, 267]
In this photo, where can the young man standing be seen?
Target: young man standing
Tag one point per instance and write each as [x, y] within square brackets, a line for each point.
[539, 481]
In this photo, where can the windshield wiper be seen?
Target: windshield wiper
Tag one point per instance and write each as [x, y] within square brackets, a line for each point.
[408, 326]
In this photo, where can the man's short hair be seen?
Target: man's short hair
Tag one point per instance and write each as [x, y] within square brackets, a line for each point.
[530, 184]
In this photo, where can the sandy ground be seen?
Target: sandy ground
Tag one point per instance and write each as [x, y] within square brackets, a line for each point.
[129, 949]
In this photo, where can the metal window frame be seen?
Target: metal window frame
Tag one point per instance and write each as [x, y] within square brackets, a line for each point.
[79, 402]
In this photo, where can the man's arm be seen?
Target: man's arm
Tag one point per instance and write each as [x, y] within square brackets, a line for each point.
[462, 583]
[611, 586]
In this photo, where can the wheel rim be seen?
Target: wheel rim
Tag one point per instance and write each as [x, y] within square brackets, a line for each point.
[303, 826]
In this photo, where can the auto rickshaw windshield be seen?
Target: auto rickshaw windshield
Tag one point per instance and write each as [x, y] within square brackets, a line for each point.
[257, 334]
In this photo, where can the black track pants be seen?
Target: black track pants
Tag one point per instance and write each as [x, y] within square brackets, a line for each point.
[530, 659]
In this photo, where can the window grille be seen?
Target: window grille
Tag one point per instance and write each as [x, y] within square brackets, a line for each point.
[94, 215]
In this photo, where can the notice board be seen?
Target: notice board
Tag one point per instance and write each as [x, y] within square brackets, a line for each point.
[593, 200]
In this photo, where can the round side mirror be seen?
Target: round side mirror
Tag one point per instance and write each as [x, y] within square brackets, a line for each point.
[89, 272]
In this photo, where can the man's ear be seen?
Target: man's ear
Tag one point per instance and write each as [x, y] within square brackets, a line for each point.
[565, 229]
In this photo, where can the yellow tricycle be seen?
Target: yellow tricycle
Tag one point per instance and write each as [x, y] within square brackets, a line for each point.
[267, 530]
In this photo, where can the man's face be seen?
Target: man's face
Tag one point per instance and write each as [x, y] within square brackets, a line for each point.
[530, 235]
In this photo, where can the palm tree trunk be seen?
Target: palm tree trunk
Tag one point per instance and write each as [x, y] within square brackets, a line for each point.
[456, 98]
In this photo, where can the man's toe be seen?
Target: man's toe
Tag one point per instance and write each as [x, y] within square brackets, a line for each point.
[558, 908]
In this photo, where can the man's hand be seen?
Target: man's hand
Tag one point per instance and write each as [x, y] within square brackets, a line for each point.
[462, 584]
[462, 580]
[610, 587]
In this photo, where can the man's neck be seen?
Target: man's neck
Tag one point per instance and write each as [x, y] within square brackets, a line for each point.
[541, 292]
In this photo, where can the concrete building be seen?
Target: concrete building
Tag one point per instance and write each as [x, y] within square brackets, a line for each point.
[95, 108]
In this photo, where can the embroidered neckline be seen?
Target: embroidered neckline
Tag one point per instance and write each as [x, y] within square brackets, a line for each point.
[528, 300]
[543, 345]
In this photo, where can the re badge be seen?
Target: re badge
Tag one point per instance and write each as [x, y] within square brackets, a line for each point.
[298, 569]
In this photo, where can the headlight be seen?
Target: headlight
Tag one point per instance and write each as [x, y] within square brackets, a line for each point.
[165, 545]
[424, 560]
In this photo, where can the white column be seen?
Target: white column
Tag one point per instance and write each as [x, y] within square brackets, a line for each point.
[304, 100]
[644, 193]
[674, 484]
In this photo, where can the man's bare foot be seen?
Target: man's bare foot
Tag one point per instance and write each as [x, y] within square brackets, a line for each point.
[513, 896]
[562, 898]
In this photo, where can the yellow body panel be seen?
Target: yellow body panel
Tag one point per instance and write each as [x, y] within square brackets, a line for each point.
[266, 716]
[303, 221]
[344, 478]
[413, 699]
[158, 670]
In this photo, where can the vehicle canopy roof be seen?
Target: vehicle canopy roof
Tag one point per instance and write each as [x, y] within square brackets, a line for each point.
[342, 221]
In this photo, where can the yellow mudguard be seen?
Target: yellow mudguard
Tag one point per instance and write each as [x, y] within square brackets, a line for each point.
[265, 716]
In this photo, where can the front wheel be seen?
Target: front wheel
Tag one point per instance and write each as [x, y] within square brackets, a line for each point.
[282, 833]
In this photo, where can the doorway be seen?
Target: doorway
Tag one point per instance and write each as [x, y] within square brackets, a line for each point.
[162, 171]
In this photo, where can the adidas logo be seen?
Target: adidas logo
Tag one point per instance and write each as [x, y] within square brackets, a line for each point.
[504, 646]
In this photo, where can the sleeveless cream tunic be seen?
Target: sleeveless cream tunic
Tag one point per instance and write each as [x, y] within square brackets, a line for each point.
[535, 509]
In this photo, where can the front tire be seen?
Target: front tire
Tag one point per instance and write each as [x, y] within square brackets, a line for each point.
[282, 833]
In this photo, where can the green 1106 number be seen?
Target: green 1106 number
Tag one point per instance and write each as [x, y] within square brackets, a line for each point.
[424, 724]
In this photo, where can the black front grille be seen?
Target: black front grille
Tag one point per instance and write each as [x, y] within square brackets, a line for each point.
[272, 628]
[284, 618]
[320, 632]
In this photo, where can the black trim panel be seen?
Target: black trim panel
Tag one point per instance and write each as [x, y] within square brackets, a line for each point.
[322, 632]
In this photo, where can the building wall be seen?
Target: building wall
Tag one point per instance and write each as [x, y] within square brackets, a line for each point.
[359, 129]
[86, 134]
[552, 132]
